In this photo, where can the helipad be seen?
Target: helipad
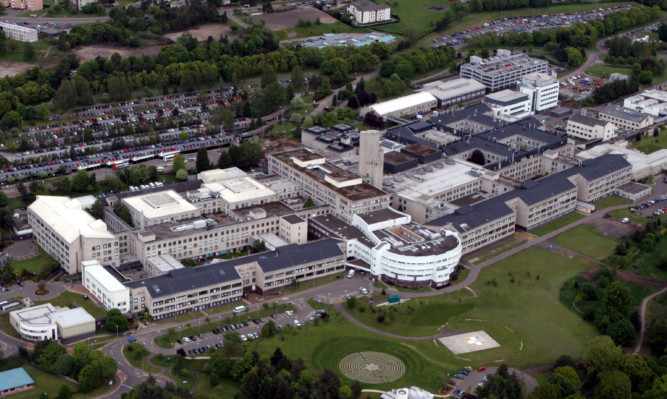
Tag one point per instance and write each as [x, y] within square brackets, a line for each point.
[469, 342]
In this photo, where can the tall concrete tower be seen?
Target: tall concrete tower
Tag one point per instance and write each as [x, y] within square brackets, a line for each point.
[371, 157]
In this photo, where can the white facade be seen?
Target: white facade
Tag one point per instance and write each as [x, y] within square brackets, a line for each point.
[68, 233]
[80, 3]
[542, 89]
[419, 262]
[587, 128]
[105, 287]
[502, 71]
[20, 33]
[509, 104]
[652, 102]
[46, 321]
[366, 12]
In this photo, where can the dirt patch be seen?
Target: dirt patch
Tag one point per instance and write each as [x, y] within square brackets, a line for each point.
[11, 68]
[87, 53]
[288, 19]
[202, 33]
[611, 227]
[436, 9]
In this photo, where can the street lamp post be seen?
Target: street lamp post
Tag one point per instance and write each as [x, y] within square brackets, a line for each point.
[116, 330]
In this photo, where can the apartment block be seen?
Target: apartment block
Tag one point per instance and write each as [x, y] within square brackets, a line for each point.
[624, 118]
[587, 128]
[19, 33]
[502, 71]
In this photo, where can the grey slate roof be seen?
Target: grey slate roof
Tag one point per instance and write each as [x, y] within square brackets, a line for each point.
[476, 142]
[185, 279]
[595, 168]
[474, 216]
[624, 113]
[587, 120]
[293, 219]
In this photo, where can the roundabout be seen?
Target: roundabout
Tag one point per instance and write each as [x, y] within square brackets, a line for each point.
[372, 367]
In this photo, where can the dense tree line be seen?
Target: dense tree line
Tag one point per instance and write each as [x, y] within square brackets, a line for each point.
[639, 55]
[408, 64]
[276, 376]
[613, 90]
[501, 385]
[90, 367]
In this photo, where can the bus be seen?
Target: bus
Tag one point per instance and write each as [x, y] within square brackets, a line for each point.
[142, 157]
[9, 305]
[169, 155]
[88, 166]
[118, 163]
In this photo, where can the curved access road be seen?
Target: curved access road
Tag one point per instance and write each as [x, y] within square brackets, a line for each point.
[642, 331]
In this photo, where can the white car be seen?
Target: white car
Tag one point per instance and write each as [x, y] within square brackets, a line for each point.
[363, 290]
[186, 339]
[296, 323]
[288, 312]
[244, 338]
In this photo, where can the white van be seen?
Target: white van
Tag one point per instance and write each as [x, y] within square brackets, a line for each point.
[350, 274]
[239, 309]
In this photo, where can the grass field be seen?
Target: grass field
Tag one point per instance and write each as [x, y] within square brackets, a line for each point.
[611, 201]
[36, 265]
[415, 14]
[651, 144]
[416, 317]
[317, 30]
[137, 356]
[586, 240]
[603, 71]
[557, 224]
[476, 19]
[67, 298]
[521, 316]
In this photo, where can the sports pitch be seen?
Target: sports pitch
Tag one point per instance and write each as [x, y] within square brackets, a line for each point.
[469, 342]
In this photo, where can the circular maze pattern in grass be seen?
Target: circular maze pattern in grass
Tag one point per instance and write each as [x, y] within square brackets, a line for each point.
[372, 367]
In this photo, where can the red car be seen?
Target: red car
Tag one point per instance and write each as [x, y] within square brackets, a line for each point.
[481, 368]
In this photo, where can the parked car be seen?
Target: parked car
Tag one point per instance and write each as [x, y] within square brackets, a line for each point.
[296, 323]
[132, 339]
[459, 376]
[482, 368]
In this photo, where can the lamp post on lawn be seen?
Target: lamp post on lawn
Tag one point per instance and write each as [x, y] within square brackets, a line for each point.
[116, 330]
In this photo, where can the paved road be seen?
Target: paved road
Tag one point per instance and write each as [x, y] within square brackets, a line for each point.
[12, 16]
[55, 288]
[237, 20]
[642, 331]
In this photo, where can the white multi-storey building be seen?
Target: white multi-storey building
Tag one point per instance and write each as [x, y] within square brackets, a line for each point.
[366, 12]
[509, 104]
[503, 71]
[20, 33]
[393, 248]
[587, 128]
[542, 89]
[68, 233]
[105, 287]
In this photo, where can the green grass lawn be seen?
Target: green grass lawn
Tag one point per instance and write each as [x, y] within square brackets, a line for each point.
[501, 250]
[415, 14]
[137, 355]
[611, 201]
[492, 249]
[67, 298]
[603, 71]
[318, 30]
[521, 316]
[586, 240]
[557, 224]
[622, 213]
[651, 144]
[416, 317]
[42, 262]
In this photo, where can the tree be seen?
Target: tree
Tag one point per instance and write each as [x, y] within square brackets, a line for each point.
[48, 356]
[269, 329]
[178, 365]
[4, 200]
[227, 119]
[636, 368]
[297, 103]
[656, 335]
[351, 302]
[202, 163]
[662, 32]
[225, 161]
[124, 213]
[64, 392]
[622, 332]
[10, 120]
[116, 321]
[268, 76]
[96, 210]
[309, 203]
[178, 163]
[616, 304]
[477, 157]
[546, 391]
[63, 364]
[28, 52]
[356, 389]
[645, 77]
[80, 182]
[565, 386]
[601, 355]
[570, 373]
[613, 385]
[298, 80]
[258, 246]
[182, 175]
[574, 57]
